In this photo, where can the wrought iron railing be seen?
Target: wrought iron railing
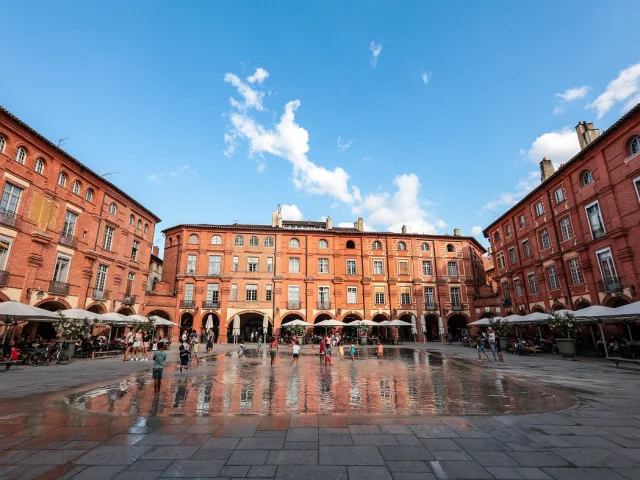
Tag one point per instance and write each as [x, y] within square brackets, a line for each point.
[8, 218]
[100, 294]
[210, 304]
[68, 239]
[324, 305]
[430, 306]
[611, 285]
[187, 303]
[293, 304]
[59, 288]
[4, 278]
[129, 300]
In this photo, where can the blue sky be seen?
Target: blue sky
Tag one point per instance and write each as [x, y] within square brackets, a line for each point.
[428, 114]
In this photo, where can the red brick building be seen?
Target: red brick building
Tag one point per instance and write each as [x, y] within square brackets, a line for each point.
[68, 237]
[314, 271]
[574, 241]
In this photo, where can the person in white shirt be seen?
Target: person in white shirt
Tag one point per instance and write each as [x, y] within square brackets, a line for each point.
[491, 336]
[296, 353]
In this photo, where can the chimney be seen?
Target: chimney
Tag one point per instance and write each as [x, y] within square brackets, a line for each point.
[404, 229]
[456, 232]
[274, 219]
[359, 224]
[329, 223]
[546, 169]
[155, 250]
[586, 133]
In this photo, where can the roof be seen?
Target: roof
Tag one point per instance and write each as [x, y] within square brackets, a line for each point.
[55, 147]
[302, 229]
[568, 164]
[156, 259]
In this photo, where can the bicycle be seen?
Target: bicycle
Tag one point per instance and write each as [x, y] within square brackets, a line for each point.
[51, 354]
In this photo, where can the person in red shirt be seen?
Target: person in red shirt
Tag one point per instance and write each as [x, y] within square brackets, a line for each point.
[321, 351]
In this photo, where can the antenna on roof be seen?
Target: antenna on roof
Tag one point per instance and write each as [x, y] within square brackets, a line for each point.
[235, 221]
[108, 175]
[62, 141]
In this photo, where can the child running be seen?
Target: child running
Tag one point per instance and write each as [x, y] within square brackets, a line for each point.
[352, 352]
[241, 351]
[380, 350]
[321, 351]
[273, 350]
[296, 353]
[341, 350]
[327, 354]
[158, 368]
[184, 358]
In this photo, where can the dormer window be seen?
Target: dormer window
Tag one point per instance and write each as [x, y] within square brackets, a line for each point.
[402, 246]
[113, 209]
[586, 177]
[62, 179]
[424, 247]
[450, 248]
[351, 244]
[21, 155]
[294, 243]
[377, 245]
[634, 145]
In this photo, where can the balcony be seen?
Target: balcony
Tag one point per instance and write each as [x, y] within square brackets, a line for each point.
[210, 305]
[324, 305]
[68, 239]
[190, 271]
[58, 288]
[597, 232]
[611, 285]
[129, 300]
[8, 218]
[4, 278]
[294, 305]
[187, 303]
[430, 306]
[100, 294]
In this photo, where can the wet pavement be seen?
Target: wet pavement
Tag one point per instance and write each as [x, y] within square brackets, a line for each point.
[417, 416]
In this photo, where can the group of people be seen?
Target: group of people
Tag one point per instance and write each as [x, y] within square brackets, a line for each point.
[137, 343]
[491, 340]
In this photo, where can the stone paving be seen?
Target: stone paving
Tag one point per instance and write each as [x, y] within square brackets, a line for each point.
[598, 438]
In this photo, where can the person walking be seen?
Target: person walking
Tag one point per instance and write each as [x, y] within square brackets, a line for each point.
[352, 352]
[322, 344]
[296, 353]
[184, 358]
[481, 350]
[273, 350]
[491, 336]
[146, 343]
[327, 354]
[499, 349]
[380, 350]
[341, 350]
[137, 344]
[129, 345]
[158, 368]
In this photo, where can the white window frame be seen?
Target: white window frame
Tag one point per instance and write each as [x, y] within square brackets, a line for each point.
[379, 298]
[294, 243]
[135, 249]
[294, 264]
[636, 185]
[323, 265]
[634, 144]
[528, 248]
[533, 283]
[131, 219]
[216, 240]
[39, 166]
[212, 293]
[20, 156]
[377, 245]
[113, 209]
[212, 270]
[522, 221]
[251, 261]
[101, 277]
[381, 264]
[88, 196]
[559, 195]
[545, 234]
[424, 247]
[3, 142]
[500, 260]
[404, 262]
[613, 265]
[452, 266]
[66, 258]
[323, 288]
[251, 290]
[539, 209]
[456, 300]
[107, 237]
[293, 293]
[507, 230]
[566, 233]
[402, 246]
[517, 287]
[4, 261]
[254, 241]
[62, 179]
[429, 297]
[235, 264]
[234, 292]
[238, 241]
[323, 244]
[269, 264]
[402, 296]
[513, 259]
[268, 242]
[584, 178]
[192, 263]
[426, 268]
[352, 266]
[352, 295]
[75, 189]
[601, 219]
[577, 276]
[189, 289]
[14, 193]
[554, 281]
[268, 292]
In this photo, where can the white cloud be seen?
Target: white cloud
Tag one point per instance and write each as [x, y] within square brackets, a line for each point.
[573, 93]
[625, 86]
[291, 212]
[156, 177]
[476, 231]
[260, 76]
[251, 98]
[508, 199]
[376, 50]
[425, 78]
[344, 146]
[558, 146]
[558, 110]
[180, 172]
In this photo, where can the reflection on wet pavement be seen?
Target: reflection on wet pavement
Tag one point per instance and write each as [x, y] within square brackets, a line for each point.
[407, 382]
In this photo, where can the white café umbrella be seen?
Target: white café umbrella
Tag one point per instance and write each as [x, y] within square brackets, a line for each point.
[265, 326]
[595, 312]
[480, 323]
[236, 328]
[423, 327]
[80, 314]
[414, 330]
[330, 323]
[116, 317]
[209, 324]
[12, 311]
[162, 322]
[295, 323]
[365, 323]
[397, 323]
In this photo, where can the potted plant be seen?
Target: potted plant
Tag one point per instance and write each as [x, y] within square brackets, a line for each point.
[298, 331]
[363, 333]
[566, 325]
[73, 330]
[500, 327]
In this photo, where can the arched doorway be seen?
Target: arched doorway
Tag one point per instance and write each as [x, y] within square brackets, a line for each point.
[615, 302]
[353, 319]
[431, 323]
[250, 322]
[186, 323]
[212, 321]
[45, 329]
[404, 333]
[126, 311]
[96, 308]
[321, 318]
[379, 331]
[581, 304]
[538, 309]
[457, 325]
[557, 306]
[161, 331]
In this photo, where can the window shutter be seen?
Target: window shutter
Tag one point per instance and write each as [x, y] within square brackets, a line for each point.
[53, 216]
[37, 204]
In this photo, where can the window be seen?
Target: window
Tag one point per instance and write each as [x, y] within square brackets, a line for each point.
[526, 249]
[113, 209]
[424, 247]
[455, 297]
[212, 293]
[351, 267]
[518, 288]
[268, 242]
[505, 290]
[533, 285]
[379, 297]
[565, 229]
[61, 270]
[323, 298]
[500, 260]
[268, 293]
[130, 219]
[139, 226]
[429, 297]
[130, 279]
[539, 209]
[107, 238]
[76, 188]
[251, 294]
[352, 295]
[496, 236]
[545, 239]
[323, 265]
[595, 220]
[351, 244]
[238, 241]
[402, 246]
[252, 264]
[377, 245]
[3, 142]
[507, 229]
[512, 256]
[586, 177]
[39, 166]
[193, 239]
[608, 270]
[101, 278]
[634, 146]
[254, 242]
[323, 244]
[636, 182]
[576, 271]
[559, 194]
[146, 227]
[10, 198]
[405, 295]
[450, 248]
[216, 240]
[554, 284]
[235, 266]
[5, 246]
[523, 222]
[270, 264]
[378, 268]
[215, 261]
[294, 265]
[134, 250]
[21, 155]
[89, 195]
[69, 226]
[403, 267]
[452, 268]
[426, 268]
[294, 243]
[62, 179]
[191, 263]
[294, 294]
[234, 292]
[188, 292]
